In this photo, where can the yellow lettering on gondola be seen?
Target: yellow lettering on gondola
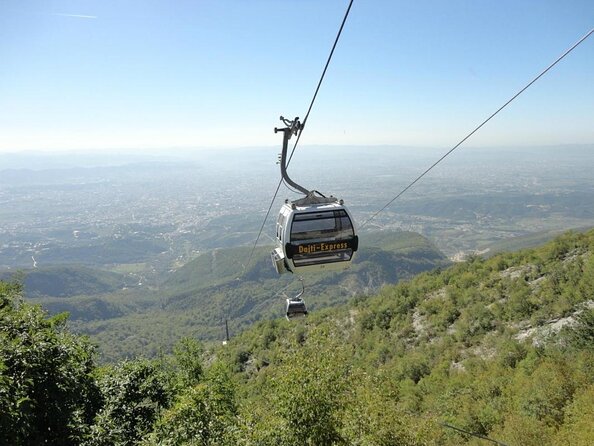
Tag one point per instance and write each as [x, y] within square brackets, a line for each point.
[321, 247]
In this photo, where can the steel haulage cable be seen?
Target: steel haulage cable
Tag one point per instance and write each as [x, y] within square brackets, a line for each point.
[479, 126]
[311, 104]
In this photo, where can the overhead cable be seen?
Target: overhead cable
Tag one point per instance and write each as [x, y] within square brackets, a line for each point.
[478, 127]
[300, 132]
[473, 434]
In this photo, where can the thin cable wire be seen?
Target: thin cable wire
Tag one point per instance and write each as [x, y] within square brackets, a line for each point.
[311, 104]
[262, 227]
[288, 186]
[346, 15]
[433, 418]
[477, 128]
[472, 434]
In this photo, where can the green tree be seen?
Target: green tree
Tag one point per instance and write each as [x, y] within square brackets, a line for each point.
[309, 391]
[543, 390]
[373, 417]
[204, 414]
[581, 336]
[188, 358]
[578, 429]
[47, 392]
[524, 430]
[134, 393]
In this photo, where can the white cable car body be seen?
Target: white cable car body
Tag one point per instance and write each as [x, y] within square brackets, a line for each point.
[314, 237]
[314, 233]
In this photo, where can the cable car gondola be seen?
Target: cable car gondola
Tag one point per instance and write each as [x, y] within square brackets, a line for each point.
[296, 305]
[313, 233]
[295, 308]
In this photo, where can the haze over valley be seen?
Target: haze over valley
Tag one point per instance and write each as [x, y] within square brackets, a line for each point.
[174, 206]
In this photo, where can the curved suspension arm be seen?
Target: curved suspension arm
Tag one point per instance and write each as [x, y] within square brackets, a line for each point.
[302, 289]
[292, 128]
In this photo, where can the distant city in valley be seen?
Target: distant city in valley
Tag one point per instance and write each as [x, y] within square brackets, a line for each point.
[142, 250]
[164, 210]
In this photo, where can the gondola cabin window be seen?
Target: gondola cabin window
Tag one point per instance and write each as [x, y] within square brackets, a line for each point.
[329, 225]
[321, 237]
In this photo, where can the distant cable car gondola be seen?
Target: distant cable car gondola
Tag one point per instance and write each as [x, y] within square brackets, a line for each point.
[296, 305]
[314, 233]
[295, 308]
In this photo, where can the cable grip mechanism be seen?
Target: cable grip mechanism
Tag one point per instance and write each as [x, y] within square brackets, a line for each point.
[292, 128]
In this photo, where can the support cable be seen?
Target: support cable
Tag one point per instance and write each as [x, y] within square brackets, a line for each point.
[299, 134]
[482, 437]
[477, 128]
[346, 14]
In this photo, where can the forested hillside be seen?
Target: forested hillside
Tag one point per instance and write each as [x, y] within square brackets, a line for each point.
[194, 299]
[500, 348]
[68, 281]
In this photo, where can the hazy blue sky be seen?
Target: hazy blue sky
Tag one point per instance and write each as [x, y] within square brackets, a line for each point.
[104, 74]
